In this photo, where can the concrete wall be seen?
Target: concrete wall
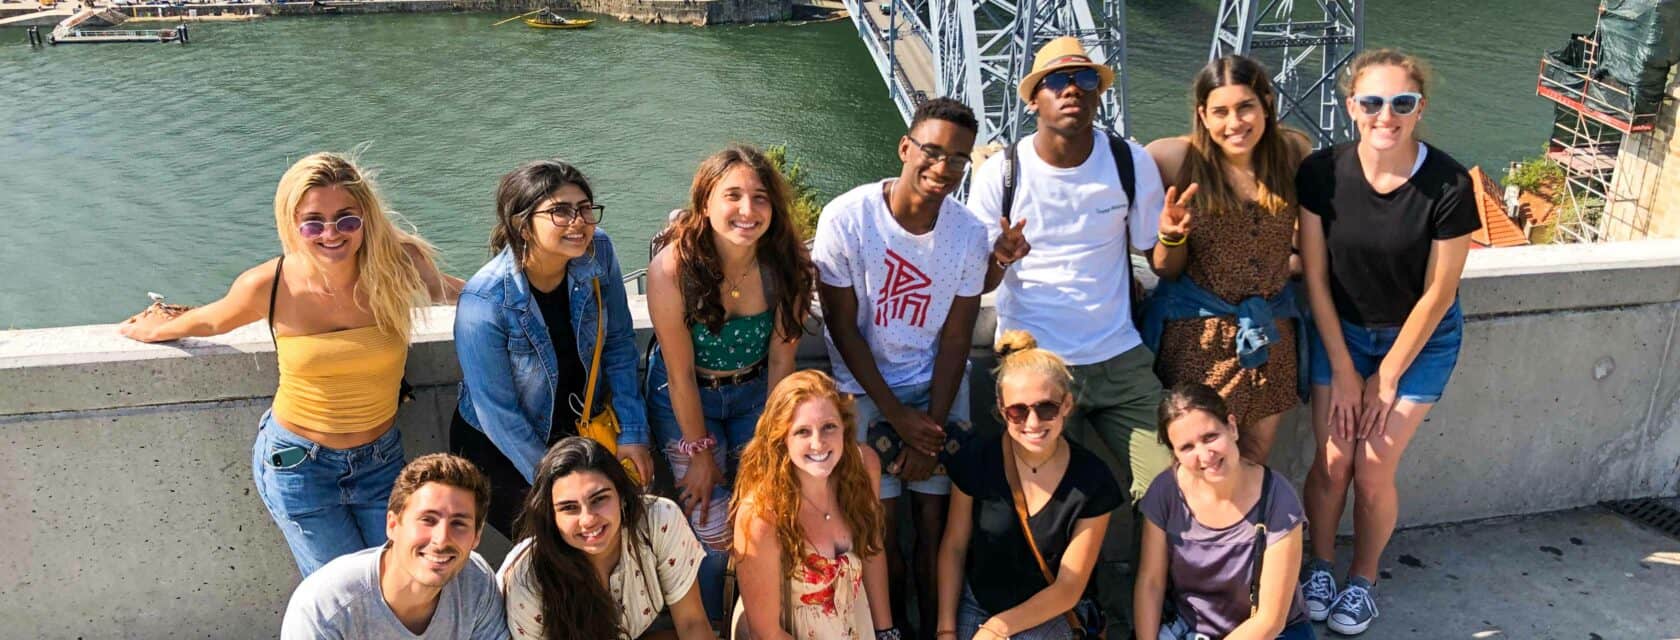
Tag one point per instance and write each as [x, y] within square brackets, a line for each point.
[126, 482]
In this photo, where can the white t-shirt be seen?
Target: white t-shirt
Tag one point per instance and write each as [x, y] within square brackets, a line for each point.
[904, 283]
[343, 600]
[672, 557]
[1072, 291]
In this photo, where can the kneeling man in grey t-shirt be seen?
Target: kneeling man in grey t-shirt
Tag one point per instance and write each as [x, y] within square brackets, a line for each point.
[426, 582]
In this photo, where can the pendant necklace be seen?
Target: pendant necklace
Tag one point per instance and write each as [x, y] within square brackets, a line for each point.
[1033, 468]
[735, 283]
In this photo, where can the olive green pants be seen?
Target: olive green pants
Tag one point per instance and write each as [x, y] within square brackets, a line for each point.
[1116, 401]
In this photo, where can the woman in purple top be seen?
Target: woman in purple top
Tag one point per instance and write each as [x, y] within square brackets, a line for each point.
[1204, 518]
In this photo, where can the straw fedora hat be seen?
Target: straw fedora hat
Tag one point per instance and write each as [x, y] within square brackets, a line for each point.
[1062, 53]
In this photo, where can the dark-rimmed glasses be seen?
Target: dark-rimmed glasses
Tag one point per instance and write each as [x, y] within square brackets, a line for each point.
[312, 229]
[1047, 410]
[1085, 78]
[937, 155]
[1403, 104]
[563, 214]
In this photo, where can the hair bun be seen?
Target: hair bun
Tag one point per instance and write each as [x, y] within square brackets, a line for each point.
[1014, 341]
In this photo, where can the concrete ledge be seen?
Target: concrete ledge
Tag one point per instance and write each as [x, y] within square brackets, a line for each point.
[120, 459]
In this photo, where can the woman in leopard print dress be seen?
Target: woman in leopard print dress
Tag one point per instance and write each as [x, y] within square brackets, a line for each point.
[1229, 227]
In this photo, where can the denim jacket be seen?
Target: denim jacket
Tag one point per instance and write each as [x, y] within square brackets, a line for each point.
[1256, 316]
[508, 366]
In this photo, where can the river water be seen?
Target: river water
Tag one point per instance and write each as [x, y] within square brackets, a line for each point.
[134, 168]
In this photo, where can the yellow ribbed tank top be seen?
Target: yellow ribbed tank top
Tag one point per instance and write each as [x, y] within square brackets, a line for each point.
[340, 381]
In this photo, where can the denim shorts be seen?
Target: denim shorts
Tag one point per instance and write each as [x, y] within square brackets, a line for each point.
[914, 396]
[331, 502]
[1424, 381]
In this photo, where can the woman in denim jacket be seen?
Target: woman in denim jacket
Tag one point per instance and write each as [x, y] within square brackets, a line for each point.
[519, 392]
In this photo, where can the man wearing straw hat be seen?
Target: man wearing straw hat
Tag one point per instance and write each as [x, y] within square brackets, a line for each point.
[1076, 197]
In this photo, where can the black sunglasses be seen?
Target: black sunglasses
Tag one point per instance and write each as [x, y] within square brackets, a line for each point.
[1085, 78]
[1047, 410]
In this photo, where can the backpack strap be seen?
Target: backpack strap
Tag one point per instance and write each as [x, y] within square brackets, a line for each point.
[273, 291]
[1257, 559]
[1123, 165]
[1011, 175]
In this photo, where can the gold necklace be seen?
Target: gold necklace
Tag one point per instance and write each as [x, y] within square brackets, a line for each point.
[735, 283]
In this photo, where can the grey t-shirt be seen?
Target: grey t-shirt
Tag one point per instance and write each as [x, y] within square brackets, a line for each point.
[343, 600]
[1208, 569]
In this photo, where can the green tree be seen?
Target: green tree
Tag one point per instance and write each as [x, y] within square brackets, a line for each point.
[805, 205]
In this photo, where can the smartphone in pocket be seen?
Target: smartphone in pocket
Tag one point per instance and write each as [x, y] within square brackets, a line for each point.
[288, 457]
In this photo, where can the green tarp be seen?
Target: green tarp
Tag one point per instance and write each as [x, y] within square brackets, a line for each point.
[1638, 43]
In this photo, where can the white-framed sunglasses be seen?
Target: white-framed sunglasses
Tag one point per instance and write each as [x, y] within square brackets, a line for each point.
[1403, 104]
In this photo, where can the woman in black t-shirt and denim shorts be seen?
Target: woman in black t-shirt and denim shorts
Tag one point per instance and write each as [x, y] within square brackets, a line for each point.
[1385, 230]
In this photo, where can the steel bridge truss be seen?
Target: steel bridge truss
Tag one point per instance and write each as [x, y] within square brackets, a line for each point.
[1306, 45]
[978, 50]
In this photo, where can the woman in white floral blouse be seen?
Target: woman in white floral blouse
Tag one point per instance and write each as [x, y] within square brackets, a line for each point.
[591, 544]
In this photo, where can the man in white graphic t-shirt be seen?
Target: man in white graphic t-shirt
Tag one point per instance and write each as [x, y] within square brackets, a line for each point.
[1071, 286]
[902, 265]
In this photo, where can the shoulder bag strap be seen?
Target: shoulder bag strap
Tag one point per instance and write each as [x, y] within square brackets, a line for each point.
[1020, 498]
[1257, 559]
[273, 291]
[595, 361]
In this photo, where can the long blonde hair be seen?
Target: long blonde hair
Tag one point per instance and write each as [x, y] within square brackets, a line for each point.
[767, 480]
[388, 282]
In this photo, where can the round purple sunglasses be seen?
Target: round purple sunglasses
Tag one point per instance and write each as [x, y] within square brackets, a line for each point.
[314, 228]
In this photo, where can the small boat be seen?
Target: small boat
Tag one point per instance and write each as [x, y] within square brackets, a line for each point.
[551, 20]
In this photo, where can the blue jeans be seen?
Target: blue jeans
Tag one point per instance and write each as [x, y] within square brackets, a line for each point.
[731, 417]
[914, 396]
[333, 501]
[970, 616]
[1424, 381]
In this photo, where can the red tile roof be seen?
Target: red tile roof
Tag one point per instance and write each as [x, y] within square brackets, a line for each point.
[1498, 229]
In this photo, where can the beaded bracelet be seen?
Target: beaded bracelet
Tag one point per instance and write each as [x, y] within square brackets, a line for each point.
[691, 447]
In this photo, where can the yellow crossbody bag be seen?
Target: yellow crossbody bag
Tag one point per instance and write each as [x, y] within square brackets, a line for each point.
[603, 428]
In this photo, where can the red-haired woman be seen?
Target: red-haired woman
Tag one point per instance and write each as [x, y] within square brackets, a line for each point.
[808, 521]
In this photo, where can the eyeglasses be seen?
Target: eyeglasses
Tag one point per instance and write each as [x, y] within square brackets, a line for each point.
[1047, 410]
[937, 155]
[563, 214]
[314, 228]
[1085, 78]
[1403, 104]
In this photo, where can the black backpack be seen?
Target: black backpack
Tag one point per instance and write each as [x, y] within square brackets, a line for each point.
[1123, 165]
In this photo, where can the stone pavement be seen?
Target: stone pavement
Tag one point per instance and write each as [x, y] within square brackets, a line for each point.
[1581, 574]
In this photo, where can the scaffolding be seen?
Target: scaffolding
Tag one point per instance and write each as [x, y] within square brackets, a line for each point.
[1306, 45]
[1601, 137]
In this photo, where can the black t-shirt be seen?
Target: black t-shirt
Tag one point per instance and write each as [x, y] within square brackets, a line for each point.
[1379, 243]
[1000, 569]
[556, 309]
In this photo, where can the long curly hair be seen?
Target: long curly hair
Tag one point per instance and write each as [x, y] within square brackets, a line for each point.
[576, 605]
[388, 281]
[1274, 158]
[700, 270]
[766, 479]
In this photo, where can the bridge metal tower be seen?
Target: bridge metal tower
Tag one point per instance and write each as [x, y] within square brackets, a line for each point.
[975, 51]
[1306, 45]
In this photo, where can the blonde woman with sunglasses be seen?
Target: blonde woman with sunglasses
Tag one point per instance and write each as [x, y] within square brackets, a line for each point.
[998, 579]
[1385, 228]
[342, 297]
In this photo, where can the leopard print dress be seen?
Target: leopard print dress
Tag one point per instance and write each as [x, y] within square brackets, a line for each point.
[1234, 255]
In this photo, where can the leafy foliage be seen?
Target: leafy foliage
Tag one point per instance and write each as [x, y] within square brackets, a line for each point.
[805, 205]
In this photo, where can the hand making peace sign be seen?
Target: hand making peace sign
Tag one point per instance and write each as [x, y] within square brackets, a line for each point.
[1175, 215]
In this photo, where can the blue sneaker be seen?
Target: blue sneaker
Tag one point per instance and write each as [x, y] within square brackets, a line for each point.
[1318, 586]
[1354, 608]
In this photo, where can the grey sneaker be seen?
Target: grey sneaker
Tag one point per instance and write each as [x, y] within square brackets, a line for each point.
[1319, 588]
[1354, 609]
